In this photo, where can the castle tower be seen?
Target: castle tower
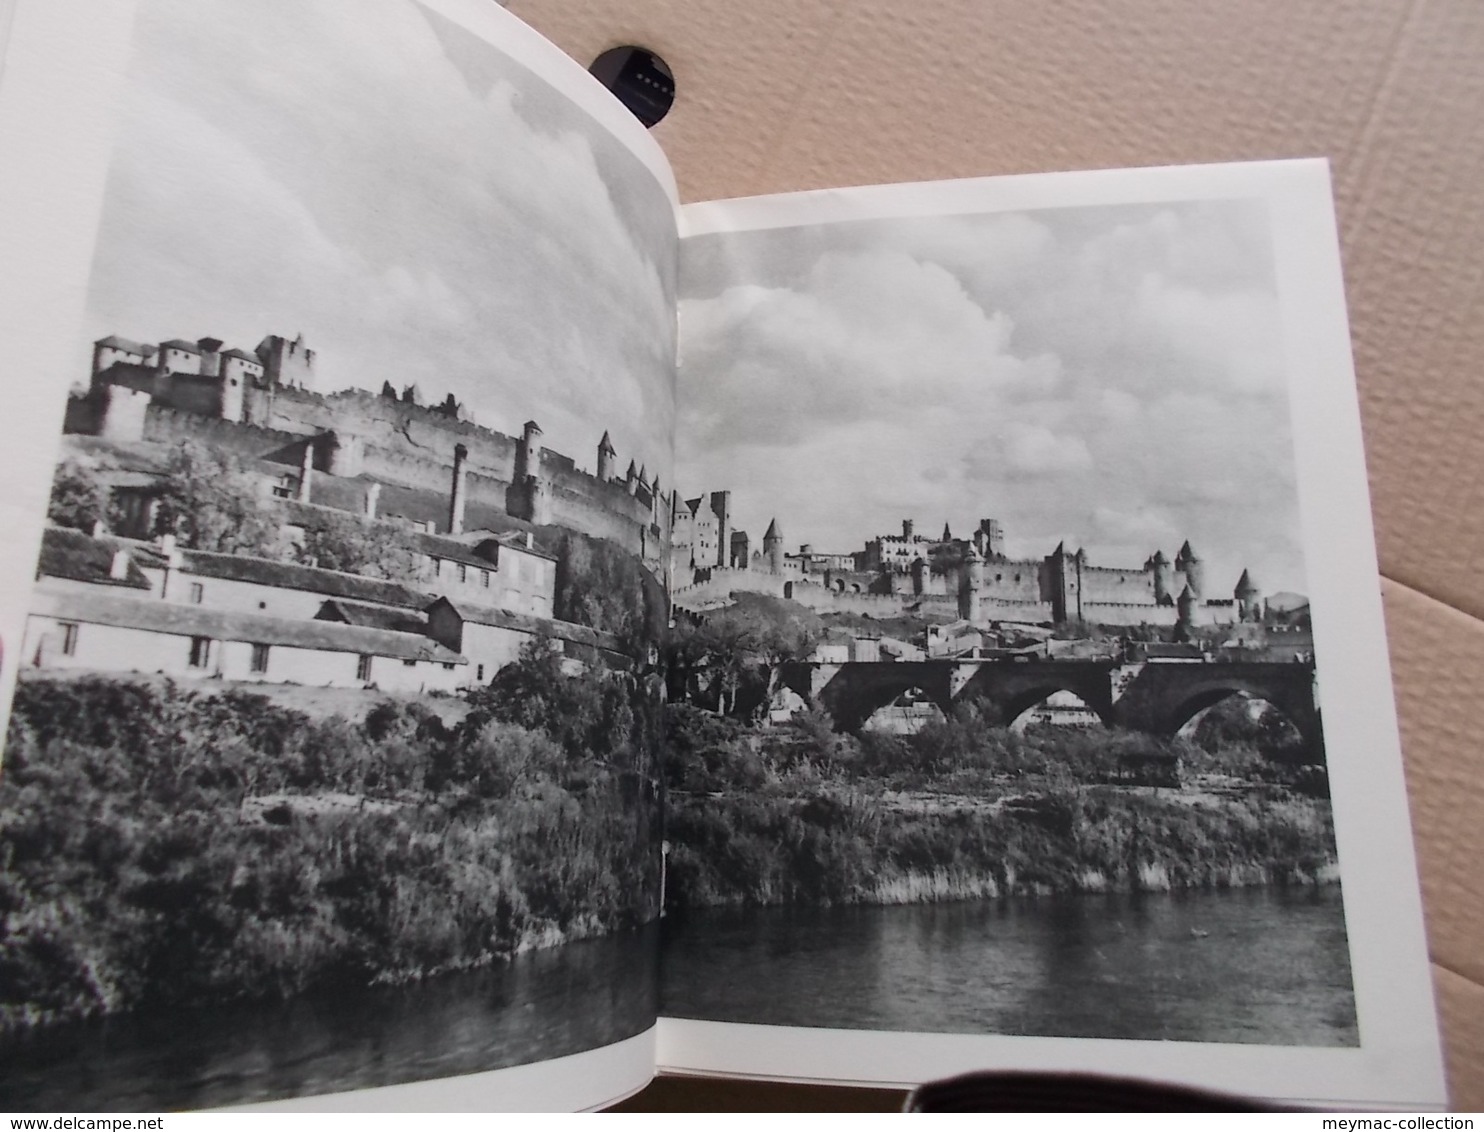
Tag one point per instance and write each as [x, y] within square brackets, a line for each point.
[1187, 562]
[1249, 598]
[529, 495]
[989, 539]
[285, 362]
[631, 478]
[721, 507]
[1063, 584]
[1185, 606]
[1163, 580]
[907, 530]
[741, 552]
[528, 452]
[971, 585]
[124, 412]
[773, 548]
[458, 491]
[919, 576]
[606, 455]
[947, 534]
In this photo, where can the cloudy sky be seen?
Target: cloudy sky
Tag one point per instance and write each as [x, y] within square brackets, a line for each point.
[1110, 376]
[419, 206]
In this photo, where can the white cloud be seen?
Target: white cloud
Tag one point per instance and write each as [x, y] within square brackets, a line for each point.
[1115, 379]
[418, 206]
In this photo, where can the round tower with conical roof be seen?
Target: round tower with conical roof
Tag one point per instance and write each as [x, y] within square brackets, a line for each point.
[773, 548]
[1249, 598]
[607, 454]
[1185, 605]
[1163, 578]
[1188, 562]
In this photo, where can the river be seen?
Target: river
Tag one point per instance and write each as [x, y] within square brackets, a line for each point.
[542, 1004]
[1258, 965]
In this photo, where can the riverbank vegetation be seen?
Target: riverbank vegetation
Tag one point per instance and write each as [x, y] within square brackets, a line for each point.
[801, 813]
[162, 847]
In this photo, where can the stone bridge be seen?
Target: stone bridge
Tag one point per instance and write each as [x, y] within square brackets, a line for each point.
[1154, 696]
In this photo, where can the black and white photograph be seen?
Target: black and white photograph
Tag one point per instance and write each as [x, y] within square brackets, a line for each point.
[333, 755]
[994, 703]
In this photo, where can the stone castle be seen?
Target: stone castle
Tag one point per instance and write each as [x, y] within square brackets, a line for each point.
[385, 455]
[971, 579]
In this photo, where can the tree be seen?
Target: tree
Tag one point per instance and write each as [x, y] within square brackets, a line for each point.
[733, 658]
[209, 502]
[589, 714]
[342, 541]
[604, 586]
[79, 498]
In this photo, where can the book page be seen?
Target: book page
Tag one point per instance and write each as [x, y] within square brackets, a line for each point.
[1027, 534]
[339, 352]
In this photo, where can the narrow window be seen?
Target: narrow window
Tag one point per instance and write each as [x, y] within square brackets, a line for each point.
[200, 652]
[198, 593]
[484, 577]
[409, 664]
[69, 639]
[437, 567]
[449, 667]
[479, 675]
[363, 669]
[260, 658]
[463, 573]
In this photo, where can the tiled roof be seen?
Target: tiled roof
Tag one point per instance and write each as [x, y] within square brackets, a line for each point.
[79, 557]
[113, 341]
[525, 623]
[222, 625]
[516, 540]
[373, 616]
[180, 344]
[450, 550]
[289, 576]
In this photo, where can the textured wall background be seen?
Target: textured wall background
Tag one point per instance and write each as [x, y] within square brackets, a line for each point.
[776, 96]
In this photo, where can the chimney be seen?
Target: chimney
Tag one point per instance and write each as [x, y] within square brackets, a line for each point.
[173, 560]
[118, 568]
[459, 490]
[306, 472]
[373, 497]
[530, 541]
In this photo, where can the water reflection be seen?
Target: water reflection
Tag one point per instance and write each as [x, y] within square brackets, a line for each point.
[1262, 965]
[541, 1005]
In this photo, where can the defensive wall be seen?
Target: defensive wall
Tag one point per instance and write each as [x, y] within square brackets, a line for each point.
[719, 583]
[361, 436]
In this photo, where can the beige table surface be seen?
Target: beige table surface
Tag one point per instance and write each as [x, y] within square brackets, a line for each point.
[776, 95]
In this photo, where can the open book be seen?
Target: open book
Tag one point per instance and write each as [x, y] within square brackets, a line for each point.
[478, 634]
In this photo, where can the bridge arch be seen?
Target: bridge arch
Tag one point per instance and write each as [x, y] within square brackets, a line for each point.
[1010, 690]
[852, 693]
[1164, 698]
[1058, 702]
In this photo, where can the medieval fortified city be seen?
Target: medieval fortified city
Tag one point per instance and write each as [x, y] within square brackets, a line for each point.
[923, 722]
[932, 750]
[354, 692]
